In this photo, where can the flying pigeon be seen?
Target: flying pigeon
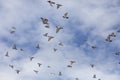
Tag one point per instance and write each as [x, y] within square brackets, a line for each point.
[37, 46]
[44, 20]
[61, 44]
[7, 54]
[93, 47]
[51, 3]
[49, 66]
[69, 66]
[58, 6]
[21, 49]
[55, 49]
[12, 30]
[108, 38]
[58, 29]
[14, 47]
[72, 62]
[39, 64]
[76, 79]
[113, 34]
[60, 74]
[66, 15]
[11, 66]
[17, 71]
[35, 71]
[46, 34]
[31, 58]
[118, 30]
[50, 37]
[92, 65]
[94, 76]
[117, 53]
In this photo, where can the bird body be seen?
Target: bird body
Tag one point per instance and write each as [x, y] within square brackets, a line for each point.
[58, 29]
[94, 76]
[17, 71]
[58, 6]
[65, 15]
[35, 71]
[51, 3]
[31, 58]
[112, 34]
[21, 49]
[92, 65]
[55, 49]
[60, 74]
[61, 44]
[69, 66]
[39, 64]
[108, 38]
[46, 34]
[44, 20]
[11, 66]
[93, 47]
[72, 62]
[37, 46]
[14, 47]
[7, 54]
[12, 30]
[50, 37]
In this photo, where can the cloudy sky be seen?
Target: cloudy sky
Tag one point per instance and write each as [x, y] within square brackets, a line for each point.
[89, 24]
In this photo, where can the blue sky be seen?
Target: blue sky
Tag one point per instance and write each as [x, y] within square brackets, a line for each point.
[89, 24]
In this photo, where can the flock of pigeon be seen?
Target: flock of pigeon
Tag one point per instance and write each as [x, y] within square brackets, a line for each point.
[58, 28]
[109, 39]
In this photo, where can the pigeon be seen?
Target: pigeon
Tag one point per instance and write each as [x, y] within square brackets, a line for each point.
[37, 46]
[118, 30]
[11, 66]
[113, 34]
[58, 29]
[17, 71]
[55, 49]
[31, 58]
[117, 53]
[93, 47]
[72, 62]
[46, 34]
[14, 47]
[108, 38]
[60, 74]
[21, 49]
[76, 79]
[50, 37]
[118, 62]
[61, 44]
[39, 64]
[49, 66]
[92, 65]
[13, 27]
[52, 73]
[58, 6]
[94, 76]
[51, 3]
[12, 30]
[35, 71]
[69, 66]
[47, 26]
[44, 20]
[66, 15]
[7, 54]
